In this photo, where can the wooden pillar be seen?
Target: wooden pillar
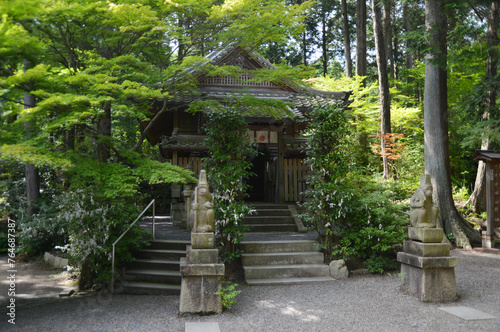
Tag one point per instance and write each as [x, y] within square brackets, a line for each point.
[490, 206]
[281, 168]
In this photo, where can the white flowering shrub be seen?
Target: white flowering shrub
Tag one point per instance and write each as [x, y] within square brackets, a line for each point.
[94, 224]
[377, 228]
[228, 168]
[329, 197]
[44, 230]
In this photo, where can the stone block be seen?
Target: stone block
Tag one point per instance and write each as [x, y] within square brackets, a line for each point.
[202, 256]
[67, 293]
[202, 240]
[64, 262]
[202, 327]
[426, 249]
[57, 261]
[178, 214]
[49, 258]
[426, 235]
[201, 269]
[427, 262]
[338, 269]
[429, 284]
[198, 295]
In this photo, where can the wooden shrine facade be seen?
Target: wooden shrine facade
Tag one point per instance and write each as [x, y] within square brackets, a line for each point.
[280, 169]
[492, 162]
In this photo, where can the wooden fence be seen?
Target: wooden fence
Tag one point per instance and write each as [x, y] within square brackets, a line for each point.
[183, 161]
[295, 179]
[294, 172]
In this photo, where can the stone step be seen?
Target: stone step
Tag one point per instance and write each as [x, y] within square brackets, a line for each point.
[267, 228]
[288, 281]
[158, 276]
[173, 255]
[271, 212]
[154, 264]
[268, 206]
[168, 244]
[147, 288]
[286, 271]
[286, 258]
[277, 246]
[253, 220]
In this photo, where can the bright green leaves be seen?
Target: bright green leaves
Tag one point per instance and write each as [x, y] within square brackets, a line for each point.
[25, 154]
[247, 106]
[15, 41]
[255, 22]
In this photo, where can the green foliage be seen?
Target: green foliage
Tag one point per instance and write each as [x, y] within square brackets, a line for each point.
[228, 169]
[328, 195]
[352, 214]
[376, 229]
[94, 224]
[228, 294]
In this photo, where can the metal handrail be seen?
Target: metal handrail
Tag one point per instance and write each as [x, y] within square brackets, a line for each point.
[123, 234]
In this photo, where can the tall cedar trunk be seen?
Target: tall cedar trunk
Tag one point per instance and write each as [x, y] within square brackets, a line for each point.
[104, 134]
[361, 65]
[324, 48]
[383, 79]
[304, 48]
[407, 27]
[361, 39]
[477, 199]
[388, 37]
[437, 162]
[347, 40]
[30, 171]
[182, 47]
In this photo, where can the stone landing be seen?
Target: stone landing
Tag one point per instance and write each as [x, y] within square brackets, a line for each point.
[428, 271]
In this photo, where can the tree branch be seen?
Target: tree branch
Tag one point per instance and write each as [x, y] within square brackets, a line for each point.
[164, 109]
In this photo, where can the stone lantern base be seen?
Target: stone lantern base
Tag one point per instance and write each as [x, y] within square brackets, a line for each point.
[202, 273]
[428, 271]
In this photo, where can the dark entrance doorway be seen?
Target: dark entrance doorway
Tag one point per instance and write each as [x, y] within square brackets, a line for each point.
[257, 182]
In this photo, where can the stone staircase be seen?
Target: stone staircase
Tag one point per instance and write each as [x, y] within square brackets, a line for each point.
[283, 262]
[271, 218]
[155, 269]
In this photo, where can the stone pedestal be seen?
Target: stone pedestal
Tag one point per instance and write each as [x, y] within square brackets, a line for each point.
[202, 274]
[488, 240]
[428, 271]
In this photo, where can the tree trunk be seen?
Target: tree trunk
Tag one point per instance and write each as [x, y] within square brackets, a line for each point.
[383, 82]
[347, 40]
[388, 37]
[324, 46]
[407, 27]
[477, 198]
[104, 134]
[30, 172]
[437, 162]
[304, 48]
[361, 39]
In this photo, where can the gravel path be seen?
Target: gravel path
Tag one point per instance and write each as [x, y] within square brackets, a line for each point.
[366, 303]
[361, 303]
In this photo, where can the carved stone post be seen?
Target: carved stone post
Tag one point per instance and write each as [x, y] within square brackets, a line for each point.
[202, 269]
[428, 271]
[187, 193]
